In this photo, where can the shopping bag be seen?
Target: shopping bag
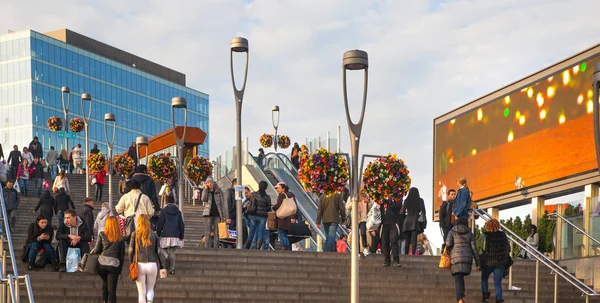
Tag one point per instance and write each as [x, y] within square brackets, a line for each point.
[88, 264]
[163, 190]
[223, 233]
[45, 185]
[73, 258]
[17, 187]
[445, 260]
[271, 220]
[287, 208]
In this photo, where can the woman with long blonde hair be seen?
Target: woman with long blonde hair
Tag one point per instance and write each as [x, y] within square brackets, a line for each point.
[110, 247]
[143, 249]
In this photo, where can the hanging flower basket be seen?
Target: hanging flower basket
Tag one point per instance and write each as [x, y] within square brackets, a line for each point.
[96, 163]
[76, 125]
[266, 140]
[284, 141]
[323, 172]
[162, 167]
[386, 178]
[198, 169]
[124, 165]
[54, 123]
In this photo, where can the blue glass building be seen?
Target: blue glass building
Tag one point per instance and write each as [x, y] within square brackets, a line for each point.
[34, 67]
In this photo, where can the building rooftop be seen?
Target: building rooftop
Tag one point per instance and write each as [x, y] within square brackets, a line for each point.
[113, 53]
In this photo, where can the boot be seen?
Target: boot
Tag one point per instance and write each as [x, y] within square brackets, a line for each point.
[486, 297]
[55, 265]
[248, 244]
[499, 301]
[259, 244]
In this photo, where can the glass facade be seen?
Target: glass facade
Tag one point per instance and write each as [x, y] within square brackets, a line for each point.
[34, 67]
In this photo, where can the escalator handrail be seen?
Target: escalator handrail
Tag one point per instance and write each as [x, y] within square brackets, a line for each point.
[586, 289]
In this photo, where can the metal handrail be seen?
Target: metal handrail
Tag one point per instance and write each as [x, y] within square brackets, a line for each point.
[574, 226]
[14, 289]
[557, 269]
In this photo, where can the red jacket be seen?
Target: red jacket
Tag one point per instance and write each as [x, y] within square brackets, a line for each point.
[341, 246]
[100, 177]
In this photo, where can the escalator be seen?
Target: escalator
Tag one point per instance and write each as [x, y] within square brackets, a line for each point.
[279, 168]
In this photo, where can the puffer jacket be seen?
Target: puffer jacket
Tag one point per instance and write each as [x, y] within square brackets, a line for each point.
[110, 249]
[496, 249]
[11, 198]
[461, 241]
[145, 254]
[263, 205]
[170, 223]
[219, 201]
[47, 204]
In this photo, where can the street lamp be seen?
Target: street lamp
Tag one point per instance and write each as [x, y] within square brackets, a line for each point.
[596, 109]
[275, 125]
[86, 123]
[108, 117]
[139, 142]
[238, 45]
[65, 90]
[179, 102]
[355, 60]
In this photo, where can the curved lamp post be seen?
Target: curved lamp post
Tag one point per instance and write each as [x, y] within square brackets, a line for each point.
[275, 124]
[355, 60]
[179, 102]
[596, 86]
[65, 90]
[108, 117]
[140, 142]
[86, 123]
[238, 45]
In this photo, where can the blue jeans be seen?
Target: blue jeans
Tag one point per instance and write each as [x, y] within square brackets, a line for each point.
[257, 229]
[24, 185]
[498, 274]
[35, 246]
[52, 169]
[64, 167]
[330, 233]
[266, 239]
[61, 218]
[283, 239]
[37, 187]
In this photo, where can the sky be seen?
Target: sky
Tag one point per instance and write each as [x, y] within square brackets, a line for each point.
[426, 58]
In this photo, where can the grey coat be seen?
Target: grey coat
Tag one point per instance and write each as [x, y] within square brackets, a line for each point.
[461, 241]
[219, 201]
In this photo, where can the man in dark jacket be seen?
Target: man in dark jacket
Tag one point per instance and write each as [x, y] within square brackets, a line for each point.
[35, 148]
[445, 215]
[73, 234]
[148, 187]
[390, 216]
[231, 205]
[170, 225]
[88, 214]
[14, 158]
[63, 202]
[12, 201]
[36, 176]
[331, 210]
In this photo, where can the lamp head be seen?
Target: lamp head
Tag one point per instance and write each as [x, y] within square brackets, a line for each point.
[178, 102]
[356, 60]
[141, 140]
[109, 117]
[239, 45]
[86, 97]
[276, 108]
[65, 89]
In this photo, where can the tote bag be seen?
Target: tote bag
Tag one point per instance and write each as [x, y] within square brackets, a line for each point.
[445, 260]
[88, 264]
[287, 208]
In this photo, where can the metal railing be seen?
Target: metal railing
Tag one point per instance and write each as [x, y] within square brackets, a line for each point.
[9, 283]
[556, 269]
[574, 226]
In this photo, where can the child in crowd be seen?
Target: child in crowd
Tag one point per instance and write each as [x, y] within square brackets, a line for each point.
[341, 244]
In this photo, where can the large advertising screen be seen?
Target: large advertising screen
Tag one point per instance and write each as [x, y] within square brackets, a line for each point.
[539, 133]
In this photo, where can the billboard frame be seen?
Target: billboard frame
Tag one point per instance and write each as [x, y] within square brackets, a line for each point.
[570, 183]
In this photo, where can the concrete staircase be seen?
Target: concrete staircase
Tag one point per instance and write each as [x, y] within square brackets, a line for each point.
[227, 275]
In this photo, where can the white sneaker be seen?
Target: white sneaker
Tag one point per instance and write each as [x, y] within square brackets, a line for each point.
[365, 252]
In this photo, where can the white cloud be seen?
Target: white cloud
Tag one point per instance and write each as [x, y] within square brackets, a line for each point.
[426, 57]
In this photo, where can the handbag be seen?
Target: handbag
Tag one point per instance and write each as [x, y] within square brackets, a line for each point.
[17, 187]
[122, 224]
[422, 217]
[271, 220]
[41, 259]
[287, 208]
[88, 264]
[133, 266]
[223, 233]
[445, 260]
[130, 224]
